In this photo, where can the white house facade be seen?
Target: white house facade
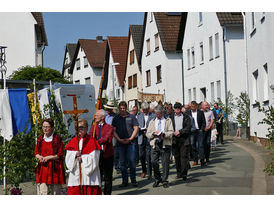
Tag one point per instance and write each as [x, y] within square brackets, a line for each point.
[23, 34]
[69, 54]
[214, 58]
[117, 48]
[133, 76]
[161, 59]
[260, 63]
[88, 62]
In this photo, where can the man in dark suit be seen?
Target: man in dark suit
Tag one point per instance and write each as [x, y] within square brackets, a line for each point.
[181, 140]
[143, 142]
[197, 136]
[104, 135]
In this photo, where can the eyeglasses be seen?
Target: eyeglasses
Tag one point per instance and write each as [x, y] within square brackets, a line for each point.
[46, 127]
[82, 128]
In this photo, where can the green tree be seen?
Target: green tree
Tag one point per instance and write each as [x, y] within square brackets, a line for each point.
[39, 74]
[243, 106]
[19, 152]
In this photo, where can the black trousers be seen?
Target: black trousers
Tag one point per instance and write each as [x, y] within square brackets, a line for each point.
[181, 154]
[219, 128]
[163, 153]
[145, 156]
[106, 170]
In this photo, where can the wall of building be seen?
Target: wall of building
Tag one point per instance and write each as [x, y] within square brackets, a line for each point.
[132, 94]
[260, 49]
[17, 32]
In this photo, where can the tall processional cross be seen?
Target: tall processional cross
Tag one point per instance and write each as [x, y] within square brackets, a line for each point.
[75, 114]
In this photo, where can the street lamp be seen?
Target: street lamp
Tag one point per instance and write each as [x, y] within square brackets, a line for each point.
[113, 88]
[3, 68]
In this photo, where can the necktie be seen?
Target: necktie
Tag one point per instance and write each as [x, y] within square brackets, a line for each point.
[100, 134]
[159, 125]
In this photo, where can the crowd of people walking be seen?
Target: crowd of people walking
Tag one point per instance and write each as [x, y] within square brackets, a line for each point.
[150, 135]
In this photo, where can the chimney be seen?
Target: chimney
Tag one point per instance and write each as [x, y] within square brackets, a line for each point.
[99, 38]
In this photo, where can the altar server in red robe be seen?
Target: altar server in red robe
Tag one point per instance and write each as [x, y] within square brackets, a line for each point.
[88, 155]
[49, 151]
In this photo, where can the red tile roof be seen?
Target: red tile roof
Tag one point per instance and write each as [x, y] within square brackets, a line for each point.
[118, 48]
[171, 29]
[95, 52]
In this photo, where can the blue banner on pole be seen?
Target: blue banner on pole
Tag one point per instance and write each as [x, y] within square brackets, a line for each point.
[20, 110]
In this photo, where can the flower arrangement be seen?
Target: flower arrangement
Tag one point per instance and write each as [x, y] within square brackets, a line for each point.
[16, 191]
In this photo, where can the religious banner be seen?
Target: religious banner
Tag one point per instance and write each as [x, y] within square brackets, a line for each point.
[5, 116]
[150, 97]
[20, 112]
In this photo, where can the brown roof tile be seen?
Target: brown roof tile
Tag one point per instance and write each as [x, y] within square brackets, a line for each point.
[230, 17]
[118, 48]
[171, 27]
[137, 34]
[40, 28]
[95, 52]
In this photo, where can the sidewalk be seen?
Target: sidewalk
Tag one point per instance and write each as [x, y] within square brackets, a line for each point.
[235, 169]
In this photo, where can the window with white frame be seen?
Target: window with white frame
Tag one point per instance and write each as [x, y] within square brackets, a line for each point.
[266, 83]
[118, 93]
[202, 52]
[193, 56]
[252, 21]
[87, 80]
[129, 82]
[219, 89]
[210, 48]
[200, 18]
[217, 45]
[189, 95]
[78, 64]
[156, 42]
[159, 74]
[85, 62]
[194, 94]
[255, 86]
[203, 93]
[188, 59]
[212, 92]
[148, 77]
[131, 57]
[148, 46]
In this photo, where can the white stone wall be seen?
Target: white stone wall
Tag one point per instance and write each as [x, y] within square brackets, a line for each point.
[260, 50]
[17, 32]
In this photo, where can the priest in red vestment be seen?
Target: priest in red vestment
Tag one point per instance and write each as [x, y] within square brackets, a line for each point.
[88, 155]
[49, 151]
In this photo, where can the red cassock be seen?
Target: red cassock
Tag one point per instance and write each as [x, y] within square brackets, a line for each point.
[89, 145]
[51, 172]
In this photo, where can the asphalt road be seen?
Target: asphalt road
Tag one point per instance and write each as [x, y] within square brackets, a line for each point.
[230, 171]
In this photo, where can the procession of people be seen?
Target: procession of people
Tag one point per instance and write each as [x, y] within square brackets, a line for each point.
[151, 134]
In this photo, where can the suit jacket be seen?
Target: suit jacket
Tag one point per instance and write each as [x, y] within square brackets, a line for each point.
[106, 140]
[168, 132]
[200, 119]
[141, 121]
[185, 132]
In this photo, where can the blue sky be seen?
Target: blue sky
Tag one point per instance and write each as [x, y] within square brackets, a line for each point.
[68, 27]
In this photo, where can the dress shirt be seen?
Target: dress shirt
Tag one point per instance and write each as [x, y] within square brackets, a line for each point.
[178, 121]
[163, 121]
[194, 115]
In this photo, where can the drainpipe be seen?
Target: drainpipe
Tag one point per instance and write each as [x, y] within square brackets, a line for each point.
[180, 53]
[225, 71]
[43, 48]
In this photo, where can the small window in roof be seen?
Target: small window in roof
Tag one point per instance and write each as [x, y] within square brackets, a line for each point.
[174, 13]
